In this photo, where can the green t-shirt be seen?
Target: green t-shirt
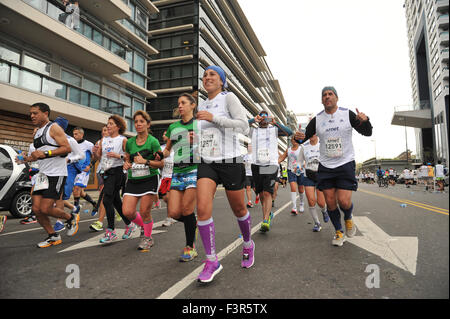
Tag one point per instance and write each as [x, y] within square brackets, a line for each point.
[178, 133]
[146, 150]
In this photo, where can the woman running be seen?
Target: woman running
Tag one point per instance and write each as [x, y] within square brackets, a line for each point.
[111, 151]
[220, 119]
[183, 188]
[143, 177]
[295, 175]
[309, 159]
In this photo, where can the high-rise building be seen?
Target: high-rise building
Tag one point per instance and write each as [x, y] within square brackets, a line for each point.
[85, 59]
[428, 40]
[191, 35]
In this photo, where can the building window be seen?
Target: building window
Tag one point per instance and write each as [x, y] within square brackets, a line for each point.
[36, 65]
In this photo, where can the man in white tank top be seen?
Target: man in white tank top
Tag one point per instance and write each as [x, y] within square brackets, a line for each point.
[51, 146]
[336, 174]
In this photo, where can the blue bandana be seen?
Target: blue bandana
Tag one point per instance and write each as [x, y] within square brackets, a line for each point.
[221, 73]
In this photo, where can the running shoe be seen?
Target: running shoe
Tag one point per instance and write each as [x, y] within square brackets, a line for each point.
[3, 219]
[350, 228]
[96, 226]
[59, 226]
[94, 212]
[338, 239]
[302, 208]
[110, 236]
[249, 205]
[168, 221]
[265, 226]
[257, 200]
[118, 218]
[248, 256]
[294, 212]
[188, 254]
[72, 225]
[270, 218]
[145, 244]
[317, 227]
[211, 269]
[52, 240]
[129, 229]
[29, 220]
[326, 218]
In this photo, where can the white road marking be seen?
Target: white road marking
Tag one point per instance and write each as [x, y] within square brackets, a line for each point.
[173, 291]
[400, 251]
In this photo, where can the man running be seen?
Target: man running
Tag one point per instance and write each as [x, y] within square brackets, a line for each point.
[51, 146]
[336, 172]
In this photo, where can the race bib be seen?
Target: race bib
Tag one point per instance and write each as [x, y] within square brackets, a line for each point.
[209, 145]
[313, 165]
[106, 163]
[139, 170]
[263, 155]
[41, 182]
[333, 147]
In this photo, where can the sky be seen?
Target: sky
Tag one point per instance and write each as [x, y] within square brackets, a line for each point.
[358, 46]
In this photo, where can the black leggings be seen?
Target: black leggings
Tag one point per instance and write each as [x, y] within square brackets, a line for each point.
[113, 180]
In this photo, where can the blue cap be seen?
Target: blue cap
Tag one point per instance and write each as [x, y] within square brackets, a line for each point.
[61, 121]
[221, 73]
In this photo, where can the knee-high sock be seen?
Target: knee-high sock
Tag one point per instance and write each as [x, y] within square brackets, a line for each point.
[208, 234]
[294, 200]
[313, 213]
[138, 220]
[301, 197]
[245, 225]
[148, 227]
[335, 216]
[190, 224]
[347, 212]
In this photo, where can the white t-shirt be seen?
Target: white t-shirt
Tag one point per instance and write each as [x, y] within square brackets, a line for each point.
[265, 146]
[310, 155]
[115, 145]
[293, 160]
[439, 170]
[168, 164]
[52, 166]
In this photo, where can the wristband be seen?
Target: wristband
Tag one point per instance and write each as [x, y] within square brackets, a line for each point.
[48, 153]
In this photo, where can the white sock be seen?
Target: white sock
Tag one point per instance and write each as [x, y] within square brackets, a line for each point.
[301, 198]
[294, 200]
[313, 213]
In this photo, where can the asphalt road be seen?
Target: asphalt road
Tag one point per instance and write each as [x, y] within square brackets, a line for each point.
[291, 261]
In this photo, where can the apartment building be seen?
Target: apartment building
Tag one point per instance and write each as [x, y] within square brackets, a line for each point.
[191, 35]
[428, 40]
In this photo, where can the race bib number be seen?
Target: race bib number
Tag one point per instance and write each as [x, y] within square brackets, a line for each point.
[263, 155]
[41, 182]
[106, 163]
[333, 147]
[209, 145]
[313, 165]
[139, 170]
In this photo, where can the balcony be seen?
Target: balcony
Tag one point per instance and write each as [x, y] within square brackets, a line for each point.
[20, 87]
[37, 23]
[442, 5]
[442, 21]
[444, 55]
[107, 11]
[443, 38]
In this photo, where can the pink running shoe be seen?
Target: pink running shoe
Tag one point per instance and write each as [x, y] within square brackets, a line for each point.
[211, 269]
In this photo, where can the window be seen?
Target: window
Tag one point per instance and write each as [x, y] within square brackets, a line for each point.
[139, 63]
[9, 54]
[91, 86]
[71, 78]
[36, 65]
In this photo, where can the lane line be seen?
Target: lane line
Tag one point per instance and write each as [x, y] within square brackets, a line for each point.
[406, 201]
[173, 291]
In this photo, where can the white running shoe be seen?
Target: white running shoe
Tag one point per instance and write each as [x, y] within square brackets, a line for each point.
[168, 222]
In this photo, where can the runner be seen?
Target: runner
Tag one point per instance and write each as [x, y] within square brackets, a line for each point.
[220, 119]
[284, 175]
[439, 173]
[183, 188]
[166, 179]
[82, 178]
[143, 179]
[295, 175]
[111, 152]
[336, 172]
[51, 146]
[265, 164]
[100, 208]
[407, 176]
[309, 159]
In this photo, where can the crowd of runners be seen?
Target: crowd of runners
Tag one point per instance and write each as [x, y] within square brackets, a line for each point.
[202, 150]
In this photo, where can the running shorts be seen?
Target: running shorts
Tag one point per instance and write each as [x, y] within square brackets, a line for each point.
[341, 177]
[82, 179]
[142, 187]
[183, 181]
[55, 188]
[230, 175]
[164, 187]
[265, 178]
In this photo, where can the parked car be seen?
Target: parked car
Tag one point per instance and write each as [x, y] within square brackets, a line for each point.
[15, 184]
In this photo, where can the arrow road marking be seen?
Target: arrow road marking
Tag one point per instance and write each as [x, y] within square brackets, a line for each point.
[400, 251]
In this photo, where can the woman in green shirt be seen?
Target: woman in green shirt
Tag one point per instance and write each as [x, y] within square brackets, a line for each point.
[143, 177]
[183, 187]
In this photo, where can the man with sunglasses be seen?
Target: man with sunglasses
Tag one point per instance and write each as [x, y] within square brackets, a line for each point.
[265, 160]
